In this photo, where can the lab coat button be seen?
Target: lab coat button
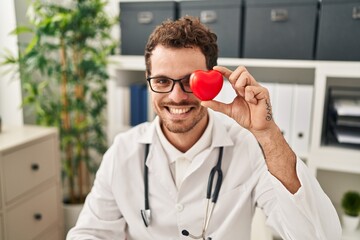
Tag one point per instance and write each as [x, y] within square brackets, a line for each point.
[179, 207]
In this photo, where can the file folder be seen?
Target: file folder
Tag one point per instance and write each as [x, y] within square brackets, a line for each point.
[282, 108]
[302, 113]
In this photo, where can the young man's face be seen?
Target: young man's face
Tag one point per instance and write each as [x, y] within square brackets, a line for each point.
[179, 111]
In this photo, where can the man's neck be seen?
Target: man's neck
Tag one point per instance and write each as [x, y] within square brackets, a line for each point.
[184, 141]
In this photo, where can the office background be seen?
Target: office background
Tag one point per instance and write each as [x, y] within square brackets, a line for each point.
[336, 164]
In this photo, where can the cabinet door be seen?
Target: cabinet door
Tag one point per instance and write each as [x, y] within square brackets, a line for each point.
[25, 168]
[34, 216]
[1, 228]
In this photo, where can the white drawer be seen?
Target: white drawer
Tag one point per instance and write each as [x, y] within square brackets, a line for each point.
[51, 234]
[27, 167]
[1, 192]
[34, 216]
[1, 228]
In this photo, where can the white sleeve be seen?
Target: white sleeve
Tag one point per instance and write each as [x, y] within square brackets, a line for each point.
[307, 214]
[100, 217]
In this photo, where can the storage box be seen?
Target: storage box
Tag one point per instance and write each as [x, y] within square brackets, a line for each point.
[222, 17]
[138, 20]
[339, 30]
[280, 29]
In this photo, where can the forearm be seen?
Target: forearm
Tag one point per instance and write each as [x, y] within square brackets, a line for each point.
[279, 157]
[310, 210]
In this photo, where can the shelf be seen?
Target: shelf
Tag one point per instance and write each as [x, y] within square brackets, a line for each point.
[9, 137]
[335, 159]
[338, 167]
[128, 63]
[137, 63]
[351, 235]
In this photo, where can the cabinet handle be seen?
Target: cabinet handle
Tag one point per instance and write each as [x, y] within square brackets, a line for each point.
[35, 166]
[356, 13]
[145, 17]
[38, 216]
[208, 16]
[279, 15]
[300, 134]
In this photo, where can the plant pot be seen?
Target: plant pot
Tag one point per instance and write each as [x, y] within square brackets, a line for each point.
[71, 214]
[350, 223]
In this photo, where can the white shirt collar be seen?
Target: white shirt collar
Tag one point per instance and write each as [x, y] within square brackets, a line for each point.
[173, 153]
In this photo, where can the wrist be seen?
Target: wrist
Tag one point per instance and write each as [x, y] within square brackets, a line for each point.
[280, 158]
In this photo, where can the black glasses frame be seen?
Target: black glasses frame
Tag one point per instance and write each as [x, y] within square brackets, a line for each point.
[173, 81]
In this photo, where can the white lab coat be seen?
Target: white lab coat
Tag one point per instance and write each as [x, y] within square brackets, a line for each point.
[112, 209]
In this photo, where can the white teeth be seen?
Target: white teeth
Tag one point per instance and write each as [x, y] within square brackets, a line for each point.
[179, 110]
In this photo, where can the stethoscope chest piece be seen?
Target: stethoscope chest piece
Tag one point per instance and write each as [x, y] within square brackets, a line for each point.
[146, 216]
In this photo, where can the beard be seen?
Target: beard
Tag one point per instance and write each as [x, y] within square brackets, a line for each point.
[183, 126]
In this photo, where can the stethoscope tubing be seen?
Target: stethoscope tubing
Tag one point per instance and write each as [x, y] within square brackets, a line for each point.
[146, 213]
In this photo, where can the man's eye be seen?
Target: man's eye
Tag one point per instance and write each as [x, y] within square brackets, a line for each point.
[162, 81]
[186, 82]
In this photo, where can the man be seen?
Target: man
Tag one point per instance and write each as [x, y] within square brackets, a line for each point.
[185, 142]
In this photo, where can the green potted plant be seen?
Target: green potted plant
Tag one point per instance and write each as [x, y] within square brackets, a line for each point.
[350, 204]
[63, 70]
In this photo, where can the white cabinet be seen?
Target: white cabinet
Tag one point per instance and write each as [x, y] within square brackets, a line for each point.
[337, 168]
[1, 227]
[30, 202]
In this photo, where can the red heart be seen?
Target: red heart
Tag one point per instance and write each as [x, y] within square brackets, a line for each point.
[206, 84]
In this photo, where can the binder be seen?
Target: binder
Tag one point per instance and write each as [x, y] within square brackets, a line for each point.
[282, 108]
[271, 89]
[302, 113]
[138, 104]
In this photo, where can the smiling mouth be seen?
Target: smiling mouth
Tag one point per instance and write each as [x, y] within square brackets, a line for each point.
[178, 111]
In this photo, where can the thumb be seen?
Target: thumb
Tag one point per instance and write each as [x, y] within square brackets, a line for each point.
[216, 106]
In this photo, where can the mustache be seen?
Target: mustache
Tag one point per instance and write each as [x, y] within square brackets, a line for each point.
[182, 103]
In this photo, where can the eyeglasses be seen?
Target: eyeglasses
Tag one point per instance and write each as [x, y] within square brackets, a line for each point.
[166, 84]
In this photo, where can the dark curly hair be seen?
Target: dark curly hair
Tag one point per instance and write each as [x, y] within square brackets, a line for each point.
[185, 32]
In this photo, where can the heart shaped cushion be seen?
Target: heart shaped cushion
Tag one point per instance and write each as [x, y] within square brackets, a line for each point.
[206, 84]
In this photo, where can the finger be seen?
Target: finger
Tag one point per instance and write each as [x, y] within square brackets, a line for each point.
[223, 70]
[242, 81]
[216, 106]
[233, 76]
[254, 94]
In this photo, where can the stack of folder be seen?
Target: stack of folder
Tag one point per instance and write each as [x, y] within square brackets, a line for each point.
[344, 117]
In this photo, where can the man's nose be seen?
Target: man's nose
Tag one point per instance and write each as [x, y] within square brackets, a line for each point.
[178, 94]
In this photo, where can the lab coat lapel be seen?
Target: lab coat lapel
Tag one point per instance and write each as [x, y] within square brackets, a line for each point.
[157, 161]
[220, 138]
[158, 165]
[220, 134]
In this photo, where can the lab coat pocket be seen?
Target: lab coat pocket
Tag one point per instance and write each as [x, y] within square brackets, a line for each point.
[233, 207]
[227, 200]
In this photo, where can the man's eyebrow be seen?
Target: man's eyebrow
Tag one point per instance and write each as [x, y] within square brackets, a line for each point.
[164, 76]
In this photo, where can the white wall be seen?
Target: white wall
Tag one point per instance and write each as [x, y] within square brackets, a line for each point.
[10, 91]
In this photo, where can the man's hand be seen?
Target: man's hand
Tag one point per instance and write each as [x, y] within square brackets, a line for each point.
[251, 109]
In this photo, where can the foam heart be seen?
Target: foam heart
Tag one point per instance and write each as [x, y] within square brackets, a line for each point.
[206, 84]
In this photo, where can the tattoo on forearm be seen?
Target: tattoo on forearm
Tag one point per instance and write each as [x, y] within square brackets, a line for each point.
[269, 112]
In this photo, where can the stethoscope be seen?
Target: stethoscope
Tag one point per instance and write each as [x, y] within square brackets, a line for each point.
[211, 199]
